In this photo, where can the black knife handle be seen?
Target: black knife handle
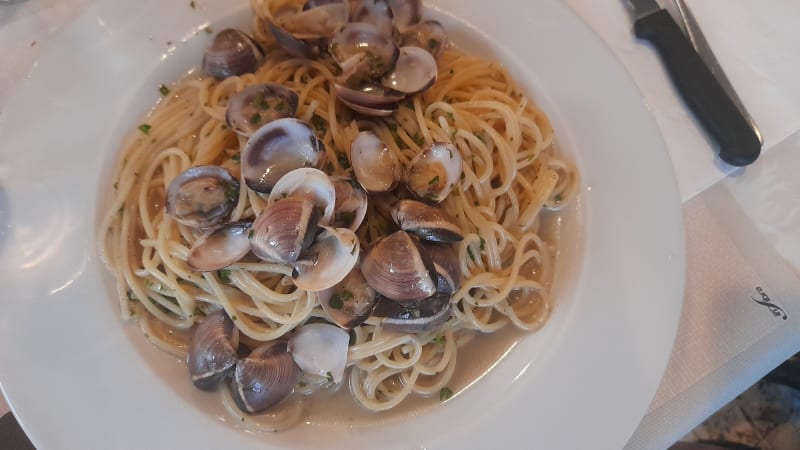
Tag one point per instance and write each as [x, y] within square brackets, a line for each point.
[738, 142]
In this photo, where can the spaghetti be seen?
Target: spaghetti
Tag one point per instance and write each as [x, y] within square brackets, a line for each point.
[510, 175]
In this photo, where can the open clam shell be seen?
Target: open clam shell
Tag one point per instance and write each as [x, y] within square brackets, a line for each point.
[308, 183]
[374, 164]
[414, 71]
[446, 265]
[278, 148]
[221, 247]
[351, 203]
[252, 107]
[328, 261]
[434, 172]
[202, 196]
[374, 52]
[429, 35]
[406, 13]
[350, 302]
[369, 99]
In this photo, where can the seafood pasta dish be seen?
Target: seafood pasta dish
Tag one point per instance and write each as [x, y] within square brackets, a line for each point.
[339, 199]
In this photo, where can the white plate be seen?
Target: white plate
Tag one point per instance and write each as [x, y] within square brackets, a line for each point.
[78, 378]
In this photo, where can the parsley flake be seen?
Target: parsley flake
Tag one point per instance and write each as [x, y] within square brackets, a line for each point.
[338, 300]
[329, 376]
[164, 90]
[255, 118]
[434, 181]
[145, 128]
[438, 339]
[445, 393]
[224, 275]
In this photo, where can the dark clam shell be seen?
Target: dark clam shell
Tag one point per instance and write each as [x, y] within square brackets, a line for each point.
[396, 268]
[212, 354]
[232, 52]
[428, 222]
[202, 196]
[368, 99]
[417, 317]
[259, 104]
[446, 265]
[276, 149]
[285, 229]
[264, 378]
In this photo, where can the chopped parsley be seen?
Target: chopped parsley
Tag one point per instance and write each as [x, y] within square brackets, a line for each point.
[338, 300]
[483, 244]
[255, 118]
[434, 181]
[224, 275]
[260, 102]
[418, 139]
[164, 90]
[481, 135]
[453, 134]
[231, 194]
[250, 234]
[329, 376]
[438, 339]
[237, 157]
[280, 106]
[471, 255]
[558, 198]
[433, 43]
[145, 128]
[451, 116]
[445, 393]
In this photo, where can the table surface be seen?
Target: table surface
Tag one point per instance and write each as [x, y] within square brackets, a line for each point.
[763, 200]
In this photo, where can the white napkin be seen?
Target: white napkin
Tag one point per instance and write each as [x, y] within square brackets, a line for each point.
[756, 44]
[741, 310]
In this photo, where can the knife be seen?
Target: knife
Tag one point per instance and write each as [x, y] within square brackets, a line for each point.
[739, 142]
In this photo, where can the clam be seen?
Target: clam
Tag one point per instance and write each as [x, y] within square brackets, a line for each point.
[377, 13]
[350, 302]
[428, 222]
[278, 148]
[221, 247]
[320, 349]
[202, 196]
[308, 183]
[285, 229]
[328, 261]
[316, 20]
[363, 51]
[232, 52]
[374, 164]
[264, 378]
[396, 268]
[434, 172]
[351, 203]
[369, 99]
[293, 46]
[406, 12]
[212, 354]
[420, 316]
[257, 105]
[429, 35]
[414, 71]
[446, 265]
